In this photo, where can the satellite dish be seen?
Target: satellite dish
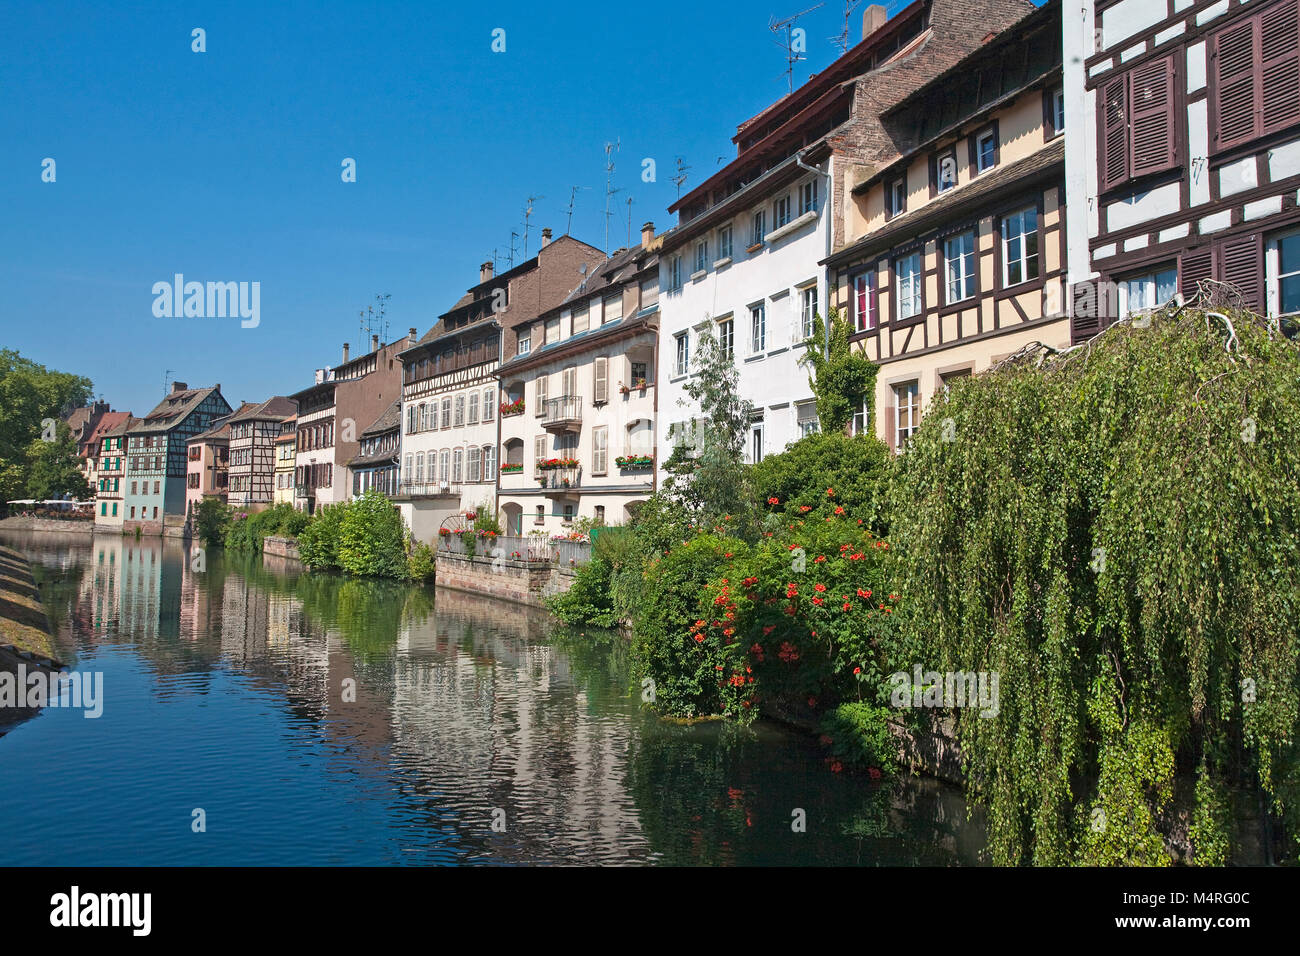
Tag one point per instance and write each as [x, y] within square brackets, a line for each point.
[583, 269]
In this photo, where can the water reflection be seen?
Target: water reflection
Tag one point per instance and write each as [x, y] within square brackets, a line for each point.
[319, 720]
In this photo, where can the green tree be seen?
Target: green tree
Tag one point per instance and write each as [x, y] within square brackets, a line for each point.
[854, 467]
[372, 538]
[710, 477]
[842, 377]
[53, 468]
[30, 393]
[1115, 532]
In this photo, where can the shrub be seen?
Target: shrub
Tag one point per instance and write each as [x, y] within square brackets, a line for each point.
[859, 736]
[855, 467]
[211, 519]
[420, 563]
[372, 538]
[587, 602]
[318, 544]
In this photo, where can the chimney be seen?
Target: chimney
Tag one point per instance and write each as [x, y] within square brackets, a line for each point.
[873, 18]
[485, 272]
[546, 237]
[411, 336]
[345, 352]
[374, 343]
[178, 387]
[647, 233]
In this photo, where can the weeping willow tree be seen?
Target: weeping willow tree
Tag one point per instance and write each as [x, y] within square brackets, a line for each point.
[1113, 530]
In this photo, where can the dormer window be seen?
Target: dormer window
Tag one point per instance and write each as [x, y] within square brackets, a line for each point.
[945, 171]
[895, 197]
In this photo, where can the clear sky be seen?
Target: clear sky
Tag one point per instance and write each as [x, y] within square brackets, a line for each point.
[226, 165]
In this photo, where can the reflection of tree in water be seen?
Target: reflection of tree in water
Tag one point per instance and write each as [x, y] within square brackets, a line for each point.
[600, 663]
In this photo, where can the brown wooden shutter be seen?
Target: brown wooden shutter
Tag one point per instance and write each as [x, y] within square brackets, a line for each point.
[1085, 312]
[1241, 265]
[891, 427]
[1151, 101]
[1279, 37]
[1114, 168]
[1193, 266]
[1236, 87]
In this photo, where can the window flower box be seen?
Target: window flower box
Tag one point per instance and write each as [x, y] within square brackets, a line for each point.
[547, 464]
[635, 461]
[512, 408]
[510, 468]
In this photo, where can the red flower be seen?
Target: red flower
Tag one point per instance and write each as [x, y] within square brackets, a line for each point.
[836, 766]
[773, 501]
[820, 559]
[817, 601]
[830, 492]
[873, 773]
[805, 509]
[699, 638]
[857, 670]
[812, 701]
[847, 606]
[819, 587]
[839, 510]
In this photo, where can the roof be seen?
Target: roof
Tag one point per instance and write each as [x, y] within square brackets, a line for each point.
[122, 427]
[174, 409]
[274, 408]
[107, 422]
[218, 432]
[1024, 172]
[624, 326]
[80, 418]
[386, 422]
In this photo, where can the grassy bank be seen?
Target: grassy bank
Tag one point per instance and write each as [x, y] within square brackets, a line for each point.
[22, 616]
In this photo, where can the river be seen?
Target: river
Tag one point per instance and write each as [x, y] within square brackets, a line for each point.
[257, 715]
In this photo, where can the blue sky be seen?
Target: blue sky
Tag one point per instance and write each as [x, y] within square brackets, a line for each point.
[225, 165]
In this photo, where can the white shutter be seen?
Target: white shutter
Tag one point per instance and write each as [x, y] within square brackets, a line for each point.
[599, 450]
[601, 388]
[541, 395]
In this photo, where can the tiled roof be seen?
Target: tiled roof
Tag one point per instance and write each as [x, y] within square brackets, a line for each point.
[275, 408]
[386, 422]
[107, 422]
[173, 410]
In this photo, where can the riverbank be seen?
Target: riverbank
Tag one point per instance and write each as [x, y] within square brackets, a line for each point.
[26, 645]
[65, 526]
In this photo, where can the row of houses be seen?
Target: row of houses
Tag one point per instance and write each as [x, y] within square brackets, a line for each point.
[919, 184]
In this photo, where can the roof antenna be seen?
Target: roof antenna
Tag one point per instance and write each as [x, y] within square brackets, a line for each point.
[795, 43]
[629, 222]
[610, 150]
[167, 380]
[680, 177]
[842, 41]
[528, 215]
[573, 192]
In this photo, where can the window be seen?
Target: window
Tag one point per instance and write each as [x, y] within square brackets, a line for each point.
[539, 448]
[1020, 247]
[862, 417]
[489, 404]
[1282, 273]
[103, 508]
[457, 466]
[599, 450]
[552, 331]
[1147, 291]
[600, 385]
[613, 309]
[459, 418]
[755, 442]
[724, 243]
[895, 197]
[525, 342]
[600, 515]
[759, 229]
[409, 466]
[702, 255]
[471, 414]
[446, 413]
[569, 381]
[541, 515]
[541, 395]
[907, 405]
[727, 338]
[419, 467]
[683, 354]
[444, 466]
[864, 301]
[806, 418]
[945, 170]
[757, 328]
[489, 462]
[475, 464]
[959, 266]
[115, 509]
[986, 151]
[1254, 81]
[133, 487]
[1137, 119]
[781, 212]
[808, 311]
[581, 319]
[907, 282]
[675, 272]
[640, 373]
[808, 197]
[568, 514]
[1056, 111]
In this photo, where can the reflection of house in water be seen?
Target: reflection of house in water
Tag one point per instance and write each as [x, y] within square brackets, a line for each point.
[492, 718]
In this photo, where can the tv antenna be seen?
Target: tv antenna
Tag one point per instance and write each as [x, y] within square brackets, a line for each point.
[528, 213]
[794, 46]
[680, 176]
[513, 236]
[610, 150]
[372, 317]
[629, 223]
[167, 379]
[842, 41]
[573, 194]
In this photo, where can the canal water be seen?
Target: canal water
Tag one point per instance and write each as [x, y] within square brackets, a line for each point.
[254, 714]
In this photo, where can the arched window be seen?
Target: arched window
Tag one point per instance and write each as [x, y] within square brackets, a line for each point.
[489, 404]
[419, 466]
[489, 462]
[475, 464]
[444, 465]
[457, 466]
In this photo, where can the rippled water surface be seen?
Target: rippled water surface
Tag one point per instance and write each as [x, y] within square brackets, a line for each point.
[224, 691]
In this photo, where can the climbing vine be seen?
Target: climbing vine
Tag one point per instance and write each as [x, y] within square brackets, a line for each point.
[1114, 530]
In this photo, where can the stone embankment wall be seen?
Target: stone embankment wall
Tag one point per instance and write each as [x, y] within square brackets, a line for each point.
[518, 581]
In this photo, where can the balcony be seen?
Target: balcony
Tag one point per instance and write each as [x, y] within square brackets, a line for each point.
[428, 489]
[563, 414]
[560, 479]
